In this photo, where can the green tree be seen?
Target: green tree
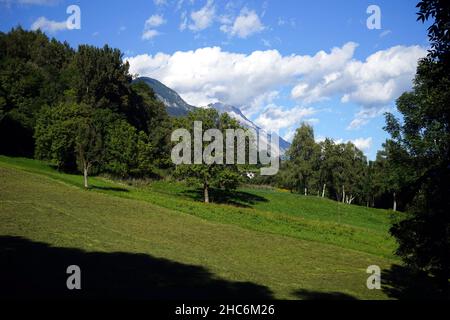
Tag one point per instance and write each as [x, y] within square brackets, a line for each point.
[302, 155]
[424, 135]
[155, 122]
[100, 78]
[121, 148]
[225, 176]
[55, 134]
[31, 68]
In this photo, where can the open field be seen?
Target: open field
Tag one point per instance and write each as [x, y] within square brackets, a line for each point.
[158, 240]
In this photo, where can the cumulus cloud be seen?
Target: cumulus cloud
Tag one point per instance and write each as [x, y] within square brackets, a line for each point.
[372, 84]
[51, 26]
[246, 24]
[251, 81]
[210, 74]
[203, 18]
[275, 118]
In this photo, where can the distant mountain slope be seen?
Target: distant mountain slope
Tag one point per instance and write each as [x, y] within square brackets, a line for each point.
[175, 105]
[237, 114]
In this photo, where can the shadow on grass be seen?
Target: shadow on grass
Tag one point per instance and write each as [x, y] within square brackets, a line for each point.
[304, 294]
[31, 269]
[401, 283]
[235, 198]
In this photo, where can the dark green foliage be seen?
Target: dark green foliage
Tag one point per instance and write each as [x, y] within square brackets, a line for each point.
[100, 78]
[423, 137]
[338, 171]
[78, 109]
[438, 32]
[30, 77]
[303, 160]
[157, 125]
[55, 134]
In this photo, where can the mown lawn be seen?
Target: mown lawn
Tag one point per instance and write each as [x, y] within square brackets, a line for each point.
[268, 243]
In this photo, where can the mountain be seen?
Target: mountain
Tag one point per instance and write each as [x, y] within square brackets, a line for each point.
[237, 114]
[175, 105]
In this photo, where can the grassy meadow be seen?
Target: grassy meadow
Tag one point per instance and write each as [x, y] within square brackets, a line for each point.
[160, 240]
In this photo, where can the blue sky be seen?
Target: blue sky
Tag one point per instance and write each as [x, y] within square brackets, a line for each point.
[281, 62]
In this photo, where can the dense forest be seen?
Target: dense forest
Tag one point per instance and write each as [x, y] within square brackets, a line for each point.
[78, 109]
[81, 111]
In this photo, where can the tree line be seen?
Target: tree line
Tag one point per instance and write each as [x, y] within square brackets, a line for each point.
[78, 109]
[338, 171]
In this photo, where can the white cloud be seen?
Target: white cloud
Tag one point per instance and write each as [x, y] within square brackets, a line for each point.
[149, 34]
[261, 101]
[51, 26]
[246, 24]
[375, 82]
[251, 81]
[363, 144]
[372, 84]
[149, 25]
[275, 118]
[155, 21]
[203, 18]
[210, 74]
[363, 116]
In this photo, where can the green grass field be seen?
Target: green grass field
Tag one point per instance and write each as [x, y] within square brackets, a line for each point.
[259, 242]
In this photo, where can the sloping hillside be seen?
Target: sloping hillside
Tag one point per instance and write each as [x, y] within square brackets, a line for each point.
[137, 246]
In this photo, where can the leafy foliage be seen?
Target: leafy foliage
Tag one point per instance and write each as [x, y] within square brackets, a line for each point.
[225, 176]
[78, 109]
[423, 139]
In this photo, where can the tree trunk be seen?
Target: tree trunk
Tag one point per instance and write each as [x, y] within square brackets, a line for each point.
[306, 191]
[85, 172]
[351, 199]
[394, 207]
[206, 192]
[343, 194]
[323, 190]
